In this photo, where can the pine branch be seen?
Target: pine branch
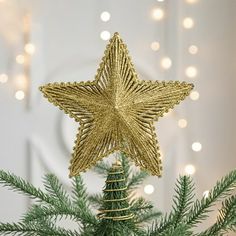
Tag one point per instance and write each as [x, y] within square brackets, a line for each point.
[169, 230]
[79, 192]
[96, 200]
[161, 226]
[226, 220]
[140, 204]
[57, 204]
[180, 230]
[136, 179]
[56, 191]
[102, 168]
[80, 201]
[87, 232]
[18, 184]
[143, 210]
[137, 231]
[182, 199]
[38, 213]
[118, 228]
[148, 216]
[223, 188]
[33, 230]
[182, 203]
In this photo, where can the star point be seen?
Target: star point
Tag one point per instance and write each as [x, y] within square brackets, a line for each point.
[116, 111]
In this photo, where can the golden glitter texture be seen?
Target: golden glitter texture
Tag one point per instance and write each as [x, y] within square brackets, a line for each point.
[116, 111]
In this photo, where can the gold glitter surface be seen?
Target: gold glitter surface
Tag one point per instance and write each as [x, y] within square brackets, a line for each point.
[116, 111]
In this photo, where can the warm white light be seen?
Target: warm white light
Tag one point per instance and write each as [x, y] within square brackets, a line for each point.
[30, 48]
[206, 194]
[182, 123]
[166, 63]
[155, 46]
[190, 169]
[193, 49]
[21, 82]
[19, 95]
[158, 14]
[191, 72]
[149, 189]
[160, 0]
[105, 16]
[188, 23]
[105, 35]
[197, 147]
[3, 78]
[20, 59]
[194, 95]
[191, 1]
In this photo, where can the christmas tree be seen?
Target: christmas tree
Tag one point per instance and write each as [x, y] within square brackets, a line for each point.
[116, 112]
[117, 214]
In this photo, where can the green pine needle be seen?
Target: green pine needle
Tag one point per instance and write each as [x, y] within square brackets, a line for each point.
[37, 212]
[226, 220]
[200, 209]
[182, 199]
[140, 204]
[102, 168]
[143, 210]
[19, 185]
[95, 200]
[81, 203]
[34, 229]
[187, 214]
[55, 203]
[148, 216]
[180, 230]
[56, 191]
[137, 179]
[182, 203]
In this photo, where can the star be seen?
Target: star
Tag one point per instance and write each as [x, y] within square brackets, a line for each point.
[116, 111]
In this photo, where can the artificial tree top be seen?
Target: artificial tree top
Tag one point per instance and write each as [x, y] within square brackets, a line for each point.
[116, 111]
[120, 214]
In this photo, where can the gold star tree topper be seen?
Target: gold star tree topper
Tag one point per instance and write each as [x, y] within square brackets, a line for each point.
[116, 111]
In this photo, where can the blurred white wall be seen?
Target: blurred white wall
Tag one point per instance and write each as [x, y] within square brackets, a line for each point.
[38, 138]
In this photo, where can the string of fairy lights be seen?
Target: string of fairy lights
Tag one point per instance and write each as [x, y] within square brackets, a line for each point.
[23, 56]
